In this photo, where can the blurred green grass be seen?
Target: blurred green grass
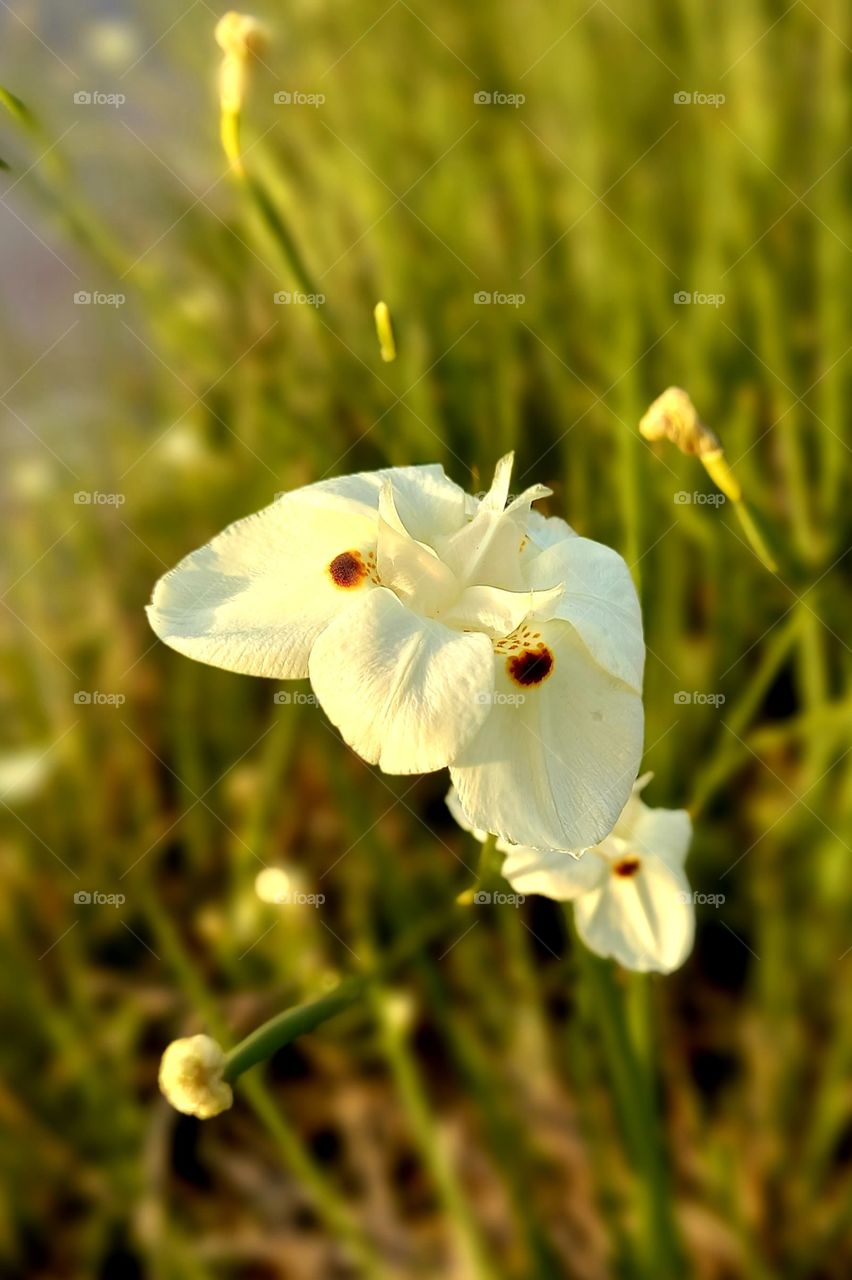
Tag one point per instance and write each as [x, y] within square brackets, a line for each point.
[463, 1122]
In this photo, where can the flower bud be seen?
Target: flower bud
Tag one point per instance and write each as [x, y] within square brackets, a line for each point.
[674, 417]
[192, 1077]
[240, 34]
[240, 37]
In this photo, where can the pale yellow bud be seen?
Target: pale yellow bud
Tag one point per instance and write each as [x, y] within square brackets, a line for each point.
[240, 34]
[674, 417]
[192, 1077]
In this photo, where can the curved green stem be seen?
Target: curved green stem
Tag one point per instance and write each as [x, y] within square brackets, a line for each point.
[285, 1027]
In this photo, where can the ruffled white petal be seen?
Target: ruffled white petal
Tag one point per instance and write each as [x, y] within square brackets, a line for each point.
[554, 764]
[599, 601]
[546, 531]
[405, 692]
[645, 921]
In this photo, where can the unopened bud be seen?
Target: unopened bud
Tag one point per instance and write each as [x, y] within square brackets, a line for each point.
[192, 1077]
[674, 417]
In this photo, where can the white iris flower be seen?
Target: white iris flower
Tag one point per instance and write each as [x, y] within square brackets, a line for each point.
[632, 900]
[437, 629]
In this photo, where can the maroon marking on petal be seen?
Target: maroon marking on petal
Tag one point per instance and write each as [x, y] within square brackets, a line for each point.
[531, 666]
[627, 867]
[348, 570]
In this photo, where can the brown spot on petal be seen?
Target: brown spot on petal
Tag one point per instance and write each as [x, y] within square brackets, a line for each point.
[530, 667]
[626, 867]
[348, 570]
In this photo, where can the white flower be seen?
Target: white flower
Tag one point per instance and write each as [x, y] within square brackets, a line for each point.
[191, 1077]
[437, 629]
[631, 898]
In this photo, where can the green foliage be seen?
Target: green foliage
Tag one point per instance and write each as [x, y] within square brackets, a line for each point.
[599, 198]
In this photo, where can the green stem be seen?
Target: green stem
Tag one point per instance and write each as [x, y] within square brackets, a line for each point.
[286, 1026]
[289, 1025]
[636, 1106]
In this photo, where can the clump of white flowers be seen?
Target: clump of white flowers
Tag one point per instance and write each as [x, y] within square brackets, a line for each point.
[192, 1077]
[437, 629]
[632, 901]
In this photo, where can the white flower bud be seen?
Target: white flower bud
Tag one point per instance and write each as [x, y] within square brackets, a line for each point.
[192, 1077]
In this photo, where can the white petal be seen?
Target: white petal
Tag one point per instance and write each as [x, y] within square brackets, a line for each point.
[428, 502]
[498, 612]
[664, 832]
[255, 598]
[554, 873]
[487, 550]
[405, 692]
[496, 497]
[599, 601]
[645, 921]
[554, 764]
[410, 568]
[546, 531]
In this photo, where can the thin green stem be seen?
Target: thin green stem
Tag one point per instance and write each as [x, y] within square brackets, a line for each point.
[636, 1106]
[286, 1026]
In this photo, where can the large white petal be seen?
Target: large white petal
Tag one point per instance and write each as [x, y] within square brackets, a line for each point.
[255, 598]
[554, 764]
[405, 692]
[554, 873]
[645, 921]
[599, 601]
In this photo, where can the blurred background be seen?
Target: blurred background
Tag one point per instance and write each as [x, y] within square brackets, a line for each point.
[567, 208]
